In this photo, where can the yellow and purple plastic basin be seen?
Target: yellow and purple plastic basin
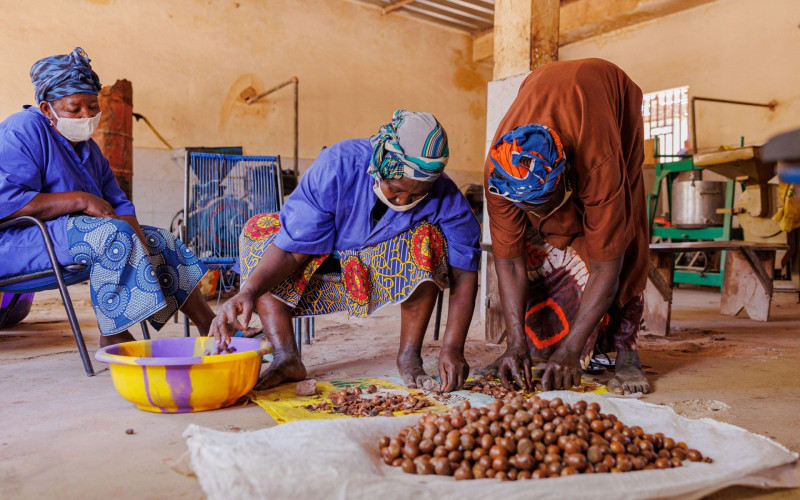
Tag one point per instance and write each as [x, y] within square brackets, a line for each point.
[173, 375]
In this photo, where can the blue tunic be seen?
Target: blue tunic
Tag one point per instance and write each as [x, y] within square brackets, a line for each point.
[35, 159]
[332, 206]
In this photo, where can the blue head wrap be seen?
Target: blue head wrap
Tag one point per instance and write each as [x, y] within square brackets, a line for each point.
[412, 145]
[526, 164]
[56, 77]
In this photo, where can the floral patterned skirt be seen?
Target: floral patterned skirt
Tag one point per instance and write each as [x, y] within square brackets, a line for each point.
[358, 281]
[556, 280]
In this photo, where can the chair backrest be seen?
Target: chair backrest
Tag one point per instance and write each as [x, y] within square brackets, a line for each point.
[224, 191]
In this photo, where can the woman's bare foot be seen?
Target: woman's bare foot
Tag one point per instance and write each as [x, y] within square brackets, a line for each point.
[629, 376]
[252, 332]
[117, 338]
[282, 369]
[409, 364]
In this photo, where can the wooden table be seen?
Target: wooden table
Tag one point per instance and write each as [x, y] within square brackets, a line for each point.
[746, 284]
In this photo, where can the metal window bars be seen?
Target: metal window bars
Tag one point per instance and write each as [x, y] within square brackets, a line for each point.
[222, 191]
[666, 117]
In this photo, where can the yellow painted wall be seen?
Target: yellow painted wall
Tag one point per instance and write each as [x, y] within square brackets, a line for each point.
[733, 49]
[189, 60]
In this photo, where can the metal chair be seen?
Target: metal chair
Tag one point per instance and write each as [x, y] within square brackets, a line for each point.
[222, 192]
[58, 277]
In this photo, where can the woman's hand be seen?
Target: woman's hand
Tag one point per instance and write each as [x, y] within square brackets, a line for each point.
[453, 368]
[227, 323]
[563, 370]
[98, 207]
[515, 365]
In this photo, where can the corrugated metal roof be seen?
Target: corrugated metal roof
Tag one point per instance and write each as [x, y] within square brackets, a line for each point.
[472, 16]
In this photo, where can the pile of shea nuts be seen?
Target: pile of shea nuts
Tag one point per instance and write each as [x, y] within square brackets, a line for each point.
[494, 389]
[534, 438]
[350, 402]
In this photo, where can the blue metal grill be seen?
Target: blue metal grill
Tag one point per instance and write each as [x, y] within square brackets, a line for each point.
[222, 192]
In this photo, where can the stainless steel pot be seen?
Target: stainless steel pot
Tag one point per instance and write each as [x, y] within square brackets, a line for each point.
[695, 203]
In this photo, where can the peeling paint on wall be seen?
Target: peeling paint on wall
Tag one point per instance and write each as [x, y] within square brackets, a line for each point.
[235, 103]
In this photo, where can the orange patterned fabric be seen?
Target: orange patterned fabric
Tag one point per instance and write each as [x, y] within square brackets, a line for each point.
[370, 277]
[557, 279]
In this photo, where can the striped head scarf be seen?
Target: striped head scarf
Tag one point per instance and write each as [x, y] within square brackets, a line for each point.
[526, 164]
[56, 77]
[412, 145]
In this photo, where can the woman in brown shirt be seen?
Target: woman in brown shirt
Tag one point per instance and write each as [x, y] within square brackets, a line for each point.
[567, 217]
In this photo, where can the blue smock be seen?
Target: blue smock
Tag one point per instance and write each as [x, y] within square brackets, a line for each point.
[331, 209]
[34, 159]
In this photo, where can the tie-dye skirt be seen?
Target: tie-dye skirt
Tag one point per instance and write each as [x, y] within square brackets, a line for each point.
[130, 281]
[358, 281]
[557, 279]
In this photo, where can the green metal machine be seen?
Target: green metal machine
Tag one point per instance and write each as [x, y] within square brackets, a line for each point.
[738, 165]
[666, 172]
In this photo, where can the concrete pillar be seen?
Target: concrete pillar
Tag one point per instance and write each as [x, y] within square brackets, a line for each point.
[525, 37]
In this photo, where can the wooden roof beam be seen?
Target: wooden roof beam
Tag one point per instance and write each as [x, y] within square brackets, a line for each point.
[581, 19]
[399, 4]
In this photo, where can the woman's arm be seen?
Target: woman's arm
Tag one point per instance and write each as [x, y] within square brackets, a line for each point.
[563, 368]
[515, 363]
[275, 266]
[453, 368]
[48, 206]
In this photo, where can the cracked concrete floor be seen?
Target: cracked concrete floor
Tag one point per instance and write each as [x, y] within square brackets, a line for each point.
[64, 434]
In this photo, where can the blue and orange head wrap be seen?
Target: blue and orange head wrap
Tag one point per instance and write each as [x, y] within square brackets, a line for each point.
[413, 145]
[526, 165]
[56, 77]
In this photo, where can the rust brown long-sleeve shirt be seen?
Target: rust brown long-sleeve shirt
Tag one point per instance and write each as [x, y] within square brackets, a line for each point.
[597, 110]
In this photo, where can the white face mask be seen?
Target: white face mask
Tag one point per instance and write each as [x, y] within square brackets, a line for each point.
[397, 208]
[76, 129]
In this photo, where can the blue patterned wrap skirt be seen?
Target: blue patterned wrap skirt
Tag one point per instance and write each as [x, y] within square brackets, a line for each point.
[131, 282]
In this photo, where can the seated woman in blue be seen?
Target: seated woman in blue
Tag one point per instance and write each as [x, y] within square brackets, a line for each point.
[50, 168]
[373, 222]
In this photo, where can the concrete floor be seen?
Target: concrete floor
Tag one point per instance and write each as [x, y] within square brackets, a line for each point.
[64, 434]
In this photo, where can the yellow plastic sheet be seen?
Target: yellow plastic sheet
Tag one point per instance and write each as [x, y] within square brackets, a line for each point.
[284, 405]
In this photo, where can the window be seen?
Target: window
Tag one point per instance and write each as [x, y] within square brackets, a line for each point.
[666, 116]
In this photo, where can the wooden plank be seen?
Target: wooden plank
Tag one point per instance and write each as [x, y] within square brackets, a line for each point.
[699, 246]
[663, 264]
[588, 18]
[495, 325]
[741, 287]
[658, 293]
[756, 265]
[657, 311]
[661, 285]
